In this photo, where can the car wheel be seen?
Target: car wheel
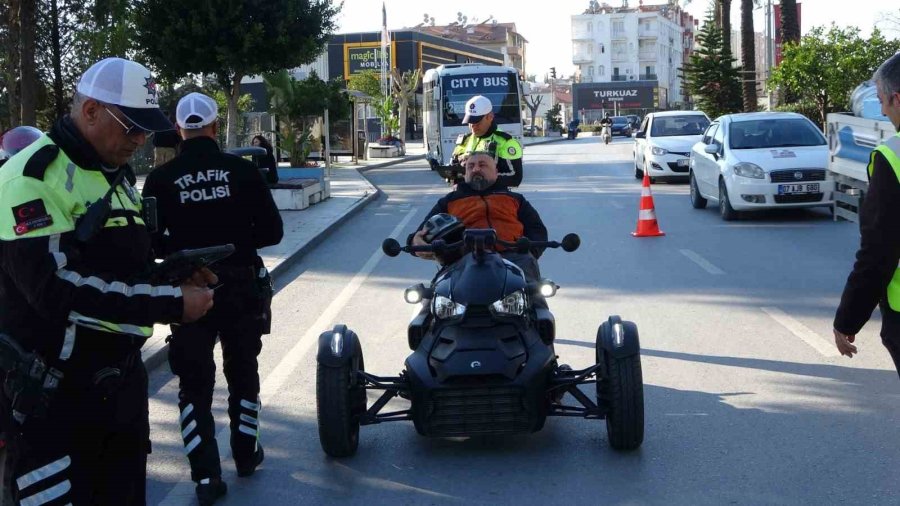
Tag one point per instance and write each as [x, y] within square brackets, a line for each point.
[638, 173]
[697, 200]
[725, 210]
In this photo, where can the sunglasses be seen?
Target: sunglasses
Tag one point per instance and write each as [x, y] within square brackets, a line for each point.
[130, 130]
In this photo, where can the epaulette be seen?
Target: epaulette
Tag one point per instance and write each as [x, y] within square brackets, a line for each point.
[36, 166]
[501, 133]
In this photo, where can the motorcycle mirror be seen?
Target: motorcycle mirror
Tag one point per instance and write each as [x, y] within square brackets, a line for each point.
[523, 245]
[571, 242]
[391, 247]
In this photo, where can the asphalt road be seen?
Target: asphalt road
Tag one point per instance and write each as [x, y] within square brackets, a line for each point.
[746, 400]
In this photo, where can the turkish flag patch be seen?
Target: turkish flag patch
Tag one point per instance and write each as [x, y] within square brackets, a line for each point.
[31, 216]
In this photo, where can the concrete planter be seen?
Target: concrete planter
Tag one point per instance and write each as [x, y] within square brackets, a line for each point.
[298, 189]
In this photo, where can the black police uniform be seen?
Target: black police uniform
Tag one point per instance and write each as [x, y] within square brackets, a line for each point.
[85, 310]
[204, 198]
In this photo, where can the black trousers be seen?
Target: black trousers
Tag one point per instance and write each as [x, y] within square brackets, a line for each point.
[890, 332]
[234, 320]
[91, 448]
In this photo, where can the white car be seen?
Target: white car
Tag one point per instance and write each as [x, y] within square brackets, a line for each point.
[662, 146]
[760, 160]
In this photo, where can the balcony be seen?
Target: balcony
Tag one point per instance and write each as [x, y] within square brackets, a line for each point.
[647, 55]
[514, 51]
[582, 58]
[619, 56]
[582, 35]
[648, 77]
[644, 33]
[618, 77]
[618, 34]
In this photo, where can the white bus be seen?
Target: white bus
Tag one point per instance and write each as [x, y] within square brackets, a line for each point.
[446, 90]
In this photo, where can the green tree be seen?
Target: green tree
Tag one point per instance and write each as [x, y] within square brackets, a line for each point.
[298, 104]
[710, 77]
[553, 119]
[825, 67]
[367, 81]
[232, 39]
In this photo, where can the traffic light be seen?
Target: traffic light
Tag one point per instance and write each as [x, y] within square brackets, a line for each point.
[553, 72]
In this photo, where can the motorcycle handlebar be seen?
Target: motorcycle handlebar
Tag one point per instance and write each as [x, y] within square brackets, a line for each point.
[392, 248]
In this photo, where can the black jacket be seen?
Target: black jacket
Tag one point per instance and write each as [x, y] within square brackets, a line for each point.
[879, 252]
[206, 198]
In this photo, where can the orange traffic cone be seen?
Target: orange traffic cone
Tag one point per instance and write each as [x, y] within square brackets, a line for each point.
[647, 225]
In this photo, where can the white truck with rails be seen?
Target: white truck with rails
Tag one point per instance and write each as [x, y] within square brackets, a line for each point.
[851, 140]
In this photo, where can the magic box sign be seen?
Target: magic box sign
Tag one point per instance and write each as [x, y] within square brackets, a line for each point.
[365, 58]
[624, 95]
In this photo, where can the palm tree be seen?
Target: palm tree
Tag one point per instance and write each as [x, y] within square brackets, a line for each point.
[748, 55]
[404, 90]
[723, 19]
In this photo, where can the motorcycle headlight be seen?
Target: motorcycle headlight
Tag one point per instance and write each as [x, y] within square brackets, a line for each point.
[659, 151]
[751, 170]
[512, 304]
[443, 308]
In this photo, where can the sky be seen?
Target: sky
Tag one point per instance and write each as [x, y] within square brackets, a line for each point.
[547, 25]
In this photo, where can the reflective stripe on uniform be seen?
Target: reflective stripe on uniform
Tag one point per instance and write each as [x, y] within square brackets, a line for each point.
[68, 342]
[117, 286]
[115, 328]
[43, 473]
[45, 496]
[189, 447]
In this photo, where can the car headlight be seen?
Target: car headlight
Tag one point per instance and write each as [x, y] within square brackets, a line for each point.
[659, 151]
[512, 304]
[443, 308]
[751, 170]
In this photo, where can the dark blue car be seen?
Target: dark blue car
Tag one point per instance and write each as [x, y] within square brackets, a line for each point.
[621, 126]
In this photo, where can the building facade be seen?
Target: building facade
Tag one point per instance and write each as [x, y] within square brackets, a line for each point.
[503, 38]
[635, 49]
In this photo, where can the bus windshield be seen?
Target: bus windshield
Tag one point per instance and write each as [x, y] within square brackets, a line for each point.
[501, 89]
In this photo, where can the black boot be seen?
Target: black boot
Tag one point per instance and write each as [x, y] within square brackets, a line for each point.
[244, 470]
[209, 490]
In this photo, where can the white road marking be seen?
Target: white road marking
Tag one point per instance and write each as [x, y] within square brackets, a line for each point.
[704, 264]
[279, 376]
[802, 331]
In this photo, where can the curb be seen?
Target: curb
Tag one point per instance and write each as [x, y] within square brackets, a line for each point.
[161, 355]
[388, 163]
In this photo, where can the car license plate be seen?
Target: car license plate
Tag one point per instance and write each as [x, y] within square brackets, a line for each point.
[787, 189]
[683, 162]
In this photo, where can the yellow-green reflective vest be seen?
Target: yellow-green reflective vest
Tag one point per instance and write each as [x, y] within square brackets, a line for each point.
[890, 150]
[66, 190]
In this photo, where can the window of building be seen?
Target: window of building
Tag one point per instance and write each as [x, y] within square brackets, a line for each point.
[591, 71]
[618, 28]
[601, 70]
[590, 27]
[618, 49]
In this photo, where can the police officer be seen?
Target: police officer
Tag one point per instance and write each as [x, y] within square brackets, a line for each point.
[480, 118]
[15, 140]
[204, 198]
[71, 290]
[876, 276]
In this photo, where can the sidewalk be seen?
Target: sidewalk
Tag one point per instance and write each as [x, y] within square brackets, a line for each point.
[303, 230]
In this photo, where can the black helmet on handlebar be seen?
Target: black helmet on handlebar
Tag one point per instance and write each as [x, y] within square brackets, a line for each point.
[448, 228]
[444, 227]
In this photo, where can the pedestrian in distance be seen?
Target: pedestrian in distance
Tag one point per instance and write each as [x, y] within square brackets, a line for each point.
[77, 306]
[267, 161]
[482, 130]
[875, 279]
[205, 198]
